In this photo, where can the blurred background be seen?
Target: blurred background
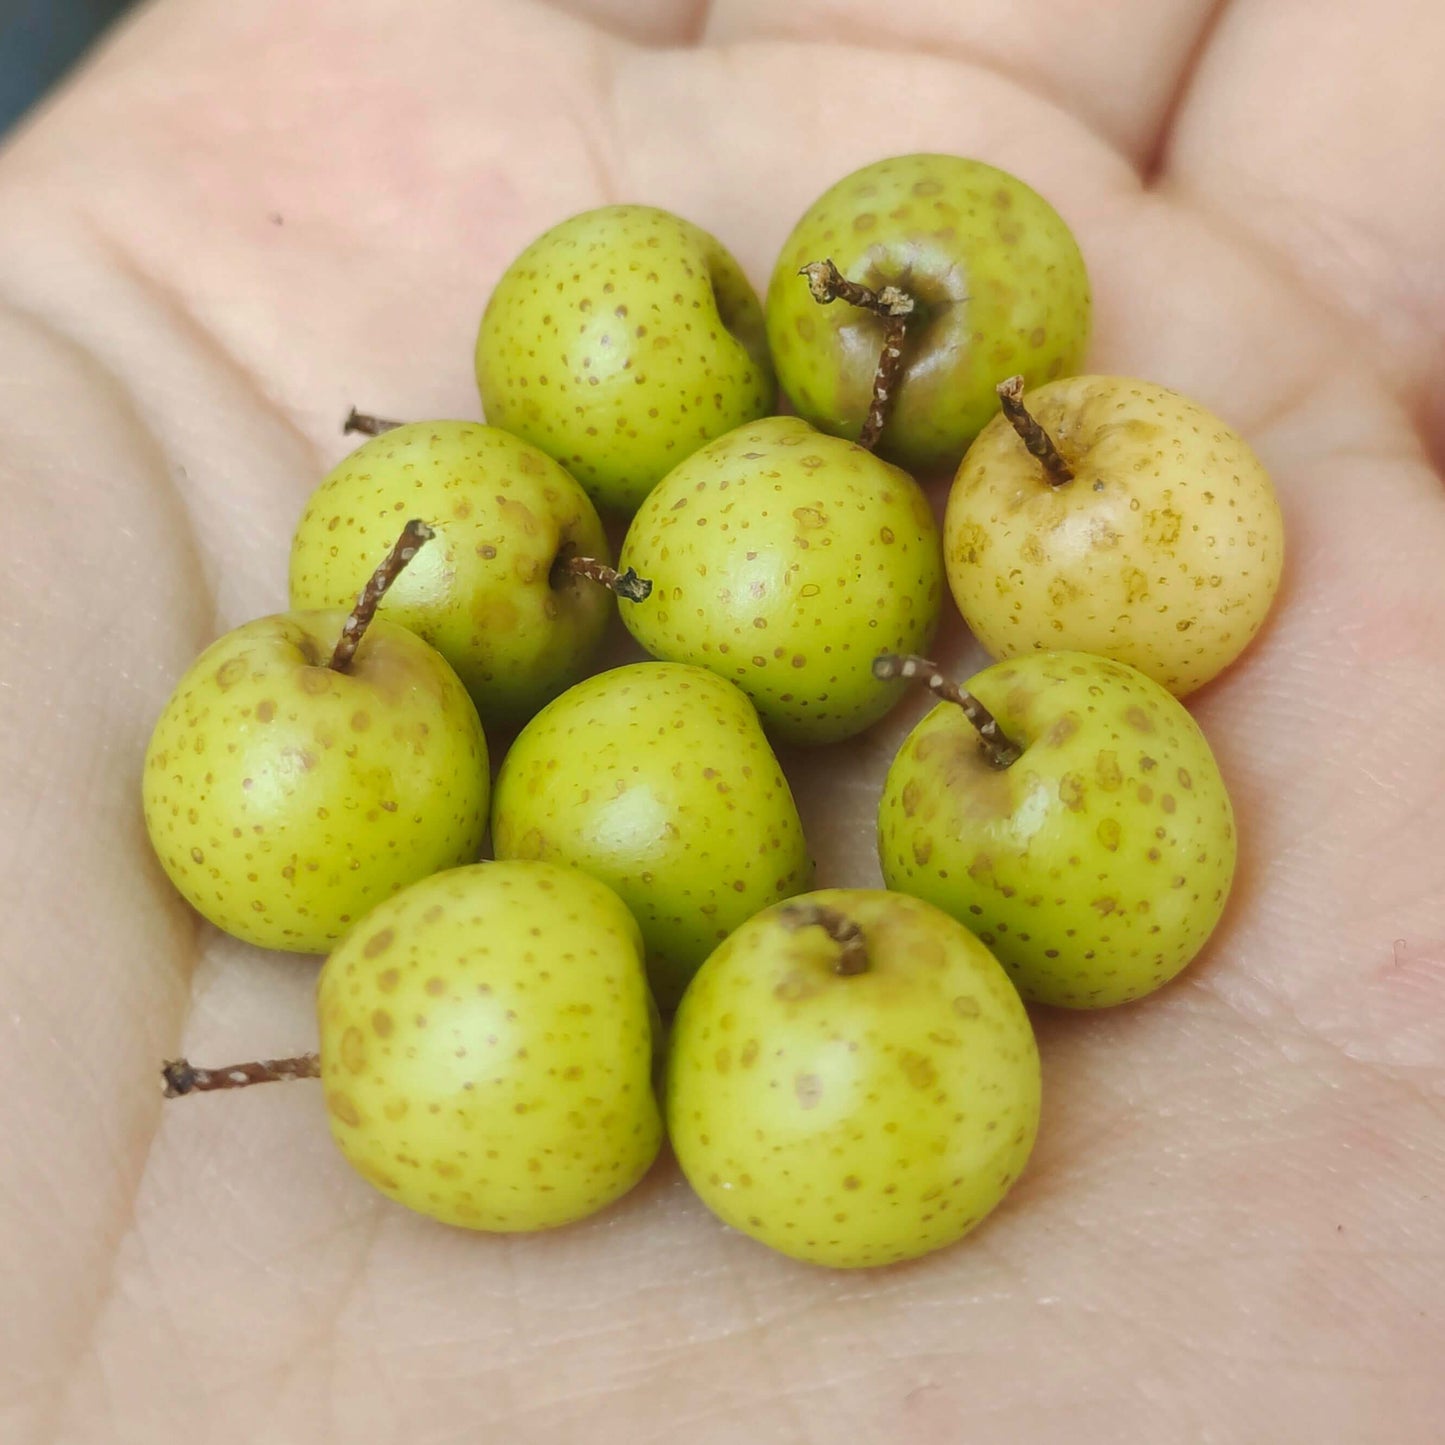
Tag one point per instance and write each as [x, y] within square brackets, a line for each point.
[39, 41]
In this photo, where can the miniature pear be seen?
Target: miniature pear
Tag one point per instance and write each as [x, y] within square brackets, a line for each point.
[487, 1049]
[852, 1079]
[1069, 810]
[309, 765]
[784, 559]
[493, 592]
[988, 281]
[1110, 515]
[619, 342]
[657, 779]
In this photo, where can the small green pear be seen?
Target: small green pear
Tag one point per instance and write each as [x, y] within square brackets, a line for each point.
[852, 1079]
[995, 284]
[783, 559]
[310, 764]
[1068, 810]
[657, 779]
[487, 1047]
[619, 342]
[492, 592]
[285, 798]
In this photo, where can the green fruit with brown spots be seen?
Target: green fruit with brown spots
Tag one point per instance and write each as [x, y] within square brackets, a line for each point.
[285, 798]
[657, 779]
[783, 559]
[487, 1048]
[619, 342]
[998, 287]
[852, 1079]
[1097, 864]
[1162, 547]
[490, 591]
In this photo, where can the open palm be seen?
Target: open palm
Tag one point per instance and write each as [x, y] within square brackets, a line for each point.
[246, 217]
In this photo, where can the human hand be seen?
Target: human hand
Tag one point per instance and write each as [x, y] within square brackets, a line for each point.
[245, 218]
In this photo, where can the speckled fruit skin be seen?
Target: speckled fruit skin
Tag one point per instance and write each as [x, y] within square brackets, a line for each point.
[285, 800]
[619, 342]
[1098, 864]
[657, 779]
[785, 560]
[1000, 285]
[858, 1120]
[486, 1048]
[1164, 552]
[482, 590]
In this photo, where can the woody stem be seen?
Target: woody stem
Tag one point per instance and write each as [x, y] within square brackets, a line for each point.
[998, 748]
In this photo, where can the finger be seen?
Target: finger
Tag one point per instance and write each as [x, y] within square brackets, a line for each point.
[1114, 66]
[781, 122]
[1313, 126]
[651, 22]
[1171, 297]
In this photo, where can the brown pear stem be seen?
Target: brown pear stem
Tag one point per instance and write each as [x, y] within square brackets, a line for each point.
[412, 536]
[852, 948]
[1040, 444]
[895, 305]
[998, 748]
[885, 382]
[627, 585]
[828, 283]
[366, 425]
[180, 1076]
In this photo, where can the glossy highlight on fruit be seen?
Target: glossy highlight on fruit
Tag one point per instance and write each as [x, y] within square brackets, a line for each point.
[1097, 865]
[657, 779]
[859, 1118]
[487, 591]
[998, 283]
[1163, 551]
[285, 799]
[783, 559]
[486, 1048]
[619, 342]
